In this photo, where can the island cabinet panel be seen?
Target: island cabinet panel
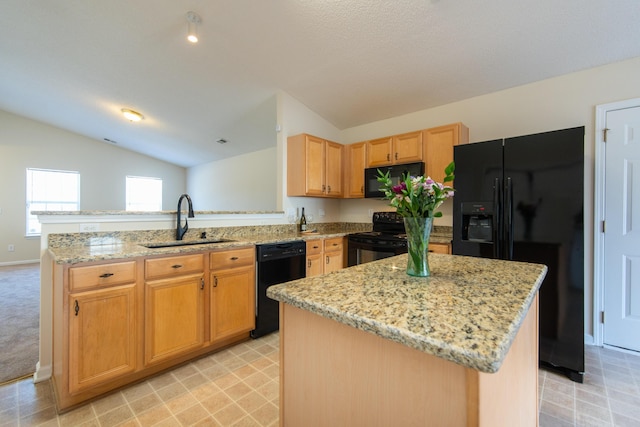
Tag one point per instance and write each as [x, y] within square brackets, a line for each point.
[334, 374]
[174, 317]
[102, 336]
[232, 299]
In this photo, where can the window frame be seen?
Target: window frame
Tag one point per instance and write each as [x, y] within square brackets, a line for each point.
[128, 203]
[60, 204]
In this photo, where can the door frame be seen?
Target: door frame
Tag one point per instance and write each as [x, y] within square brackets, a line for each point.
[598, 213]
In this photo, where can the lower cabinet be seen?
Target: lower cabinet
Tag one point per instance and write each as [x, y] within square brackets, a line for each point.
[117, 322]
[324, 255]
[174, 317]
[102, 335]
[233, 296]
[440, 248]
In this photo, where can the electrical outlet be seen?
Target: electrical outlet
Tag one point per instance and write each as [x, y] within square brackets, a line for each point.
[89, 227]
[11, 248]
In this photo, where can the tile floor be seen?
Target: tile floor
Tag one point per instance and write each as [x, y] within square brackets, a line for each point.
[239, 387]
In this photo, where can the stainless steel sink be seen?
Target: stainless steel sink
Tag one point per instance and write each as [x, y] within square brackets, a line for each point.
[181, 243]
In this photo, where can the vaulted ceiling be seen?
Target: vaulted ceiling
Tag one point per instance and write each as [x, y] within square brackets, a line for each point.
[75, 63]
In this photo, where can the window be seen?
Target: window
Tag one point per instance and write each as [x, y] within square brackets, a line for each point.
[144, 194]
[50, 190]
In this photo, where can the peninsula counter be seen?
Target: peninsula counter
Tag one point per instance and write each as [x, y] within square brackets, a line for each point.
[372, 346]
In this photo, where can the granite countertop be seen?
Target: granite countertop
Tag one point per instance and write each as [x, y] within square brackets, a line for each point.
[72, 248]
[114, 248]
[467, 312]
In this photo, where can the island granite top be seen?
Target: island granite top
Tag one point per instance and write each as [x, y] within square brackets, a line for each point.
[468, 312]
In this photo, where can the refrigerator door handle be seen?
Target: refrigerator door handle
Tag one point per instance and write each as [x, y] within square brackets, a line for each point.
[497, 246]
[509, 220]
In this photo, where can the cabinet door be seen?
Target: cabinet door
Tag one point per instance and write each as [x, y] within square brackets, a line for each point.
[102, 336]
[174, 317]
[438, 150]
[333, 169]
[315, 266]
[332, 261]
[355, 170]
[232, 303]
[315, 169]
[379, 152]
[333, 254]
[407, 148]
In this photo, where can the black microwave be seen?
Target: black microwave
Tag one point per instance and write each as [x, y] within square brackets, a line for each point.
[396, 172]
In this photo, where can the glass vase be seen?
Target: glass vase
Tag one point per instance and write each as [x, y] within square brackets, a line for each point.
[418, 231]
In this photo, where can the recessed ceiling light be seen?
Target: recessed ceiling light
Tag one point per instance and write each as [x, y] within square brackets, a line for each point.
[221, 141]
[110, 140]
[131, 115]
[193, 19]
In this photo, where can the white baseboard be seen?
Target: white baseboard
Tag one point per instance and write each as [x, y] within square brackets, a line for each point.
[43, 373]
[28, 261]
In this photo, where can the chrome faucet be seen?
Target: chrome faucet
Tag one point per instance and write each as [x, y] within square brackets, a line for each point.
[180, 230]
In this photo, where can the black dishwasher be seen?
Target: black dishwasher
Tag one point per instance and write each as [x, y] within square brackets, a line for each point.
[275, 263]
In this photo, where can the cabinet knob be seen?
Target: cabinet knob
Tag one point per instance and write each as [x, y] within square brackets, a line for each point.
[76, 307]
[215, 281]
[396, 156]
[234, 258]
[176, 266]
[105, 275]
[388, 157]
[329, 189]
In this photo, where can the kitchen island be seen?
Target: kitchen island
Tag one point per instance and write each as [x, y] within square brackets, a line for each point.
[372, 346]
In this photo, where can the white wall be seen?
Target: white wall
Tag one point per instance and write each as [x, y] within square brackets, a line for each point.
[26, 143]
[242, 183]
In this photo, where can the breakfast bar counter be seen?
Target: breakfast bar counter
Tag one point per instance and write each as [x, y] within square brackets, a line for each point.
[372, 346]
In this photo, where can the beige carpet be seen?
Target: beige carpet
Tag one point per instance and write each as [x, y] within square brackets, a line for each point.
[19, 320]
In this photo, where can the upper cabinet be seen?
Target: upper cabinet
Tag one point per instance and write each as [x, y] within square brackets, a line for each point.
[320, 168]
[356, 160]
[314, 167]
[397, 149]
[438, 148]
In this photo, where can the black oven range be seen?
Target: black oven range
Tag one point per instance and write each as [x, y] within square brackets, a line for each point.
[387, 239]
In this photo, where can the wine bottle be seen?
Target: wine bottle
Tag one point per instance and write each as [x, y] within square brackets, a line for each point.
[303, 222]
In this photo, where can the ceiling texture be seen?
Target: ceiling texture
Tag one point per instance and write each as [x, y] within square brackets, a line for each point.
[75, 63]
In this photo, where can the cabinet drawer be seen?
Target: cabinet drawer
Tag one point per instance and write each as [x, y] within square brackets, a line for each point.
[232, 258]
[439, 248]
[334, 244]
[314, 246]
[102, 275]
[173, 266]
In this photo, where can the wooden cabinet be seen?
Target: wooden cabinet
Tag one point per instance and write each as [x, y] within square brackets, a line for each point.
[103, 340]
[96, 334]
[174, 306]
[324, 256]
[314, 167]
[440, 248]
[117, 322]
[356, 159]
[397, 149]
[438, 148]
[232, 299]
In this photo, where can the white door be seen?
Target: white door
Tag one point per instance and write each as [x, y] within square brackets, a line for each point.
[622, 232]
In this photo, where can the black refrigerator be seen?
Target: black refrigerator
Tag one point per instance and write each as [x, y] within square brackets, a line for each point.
[522, 199]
